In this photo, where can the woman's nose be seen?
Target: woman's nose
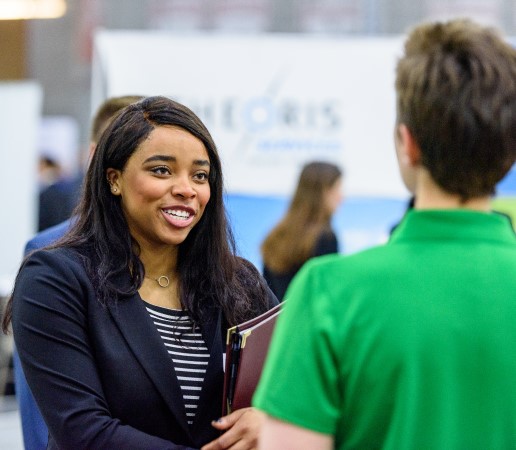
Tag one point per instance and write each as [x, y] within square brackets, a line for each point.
[182, 187]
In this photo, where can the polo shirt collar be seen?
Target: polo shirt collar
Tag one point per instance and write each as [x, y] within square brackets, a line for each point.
[457, 224]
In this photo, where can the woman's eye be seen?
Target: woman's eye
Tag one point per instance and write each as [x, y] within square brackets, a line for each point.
[201, 176]
[160, 170]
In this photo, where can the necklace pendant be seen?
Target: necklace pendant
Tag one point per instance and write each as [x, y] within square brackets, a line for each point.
[163, 281]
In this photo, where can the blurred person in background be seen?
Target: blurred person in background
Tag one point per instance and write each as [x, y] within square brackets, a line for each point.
[305, 231]
[49, 171]
[58, 194]
[410, 345]
[57, 199]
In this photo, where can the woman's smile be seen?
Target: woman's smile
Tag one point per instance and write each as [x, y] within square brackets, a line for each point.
[179, 216]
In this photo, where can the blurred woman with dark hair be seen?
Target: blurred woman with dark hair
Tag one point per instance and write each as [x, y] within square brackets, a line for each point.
[305, 231]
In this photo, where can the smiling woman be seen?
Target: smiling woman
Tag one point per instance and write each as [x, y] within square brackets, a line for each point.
[120, 325]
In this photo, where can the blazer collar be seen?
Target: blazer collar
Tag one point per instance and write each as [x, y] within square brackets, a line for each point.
[139, 331]
[141, 335]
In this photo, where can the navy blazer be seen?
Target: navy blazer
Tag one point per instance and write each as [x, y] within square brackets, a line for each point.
[101, 375]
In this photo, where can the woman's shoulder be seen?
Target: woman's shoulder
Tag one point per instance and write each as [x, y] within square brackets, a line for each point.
[51, 279]
[246, 272]
[54, 258]
[63, 253]
[244, 265]
[254, 280]
[326, 243]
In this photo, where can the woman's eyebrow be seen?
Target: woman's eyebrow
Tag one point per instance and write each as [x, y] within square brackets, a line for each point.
[168, 158]
[201, 162]
[160, 158]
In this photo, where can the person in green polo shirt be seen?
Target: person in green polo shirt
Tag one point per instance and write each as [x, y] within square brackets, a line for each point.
[411, 345]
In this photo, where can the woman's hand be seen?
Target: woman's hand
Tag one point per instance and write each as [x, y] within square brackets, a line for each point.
[242, 429]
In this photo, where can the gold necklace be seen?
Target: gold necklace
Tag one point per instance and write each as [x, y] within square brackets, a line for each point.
[163, 280]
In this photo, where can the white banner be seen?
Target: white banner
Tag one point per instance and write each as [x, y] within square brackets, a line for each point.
[271, 102]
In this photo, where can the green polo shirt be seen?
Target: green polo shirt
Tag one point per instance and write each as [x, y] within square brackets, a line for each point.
[409, 345]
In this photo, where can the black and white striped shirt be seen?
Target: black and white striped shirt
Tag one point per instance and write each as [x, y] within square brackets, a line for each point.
[188, 351]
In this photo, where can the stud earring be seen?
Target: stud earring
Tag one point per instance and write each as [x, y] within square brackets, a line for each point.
[114, 190]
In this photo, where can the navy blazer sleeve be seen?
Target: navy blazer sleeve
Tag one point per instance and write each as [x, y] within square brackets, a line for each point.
[54, 343]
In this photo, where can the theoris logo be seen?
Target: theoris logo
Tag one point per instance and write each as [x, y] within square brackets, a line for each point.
[266, 114]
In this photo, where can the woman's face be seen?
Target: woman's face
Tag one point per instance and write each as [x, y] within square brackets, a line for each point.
[334, 195]
[164, 186]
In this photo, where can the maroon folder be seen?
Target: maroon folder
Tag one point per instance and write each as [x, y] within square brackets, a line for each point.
[246, 349]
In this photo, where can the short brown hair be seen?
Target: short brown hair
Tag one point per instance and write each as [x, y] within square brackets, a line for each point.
[107, 111]
[456, 93]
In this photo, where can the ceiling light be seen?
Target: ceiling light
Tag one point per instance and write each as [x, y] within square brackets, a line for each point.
[31, 9]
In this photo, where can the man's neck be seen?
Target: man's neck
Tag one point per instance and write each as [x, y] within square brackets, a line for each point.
[429, 195]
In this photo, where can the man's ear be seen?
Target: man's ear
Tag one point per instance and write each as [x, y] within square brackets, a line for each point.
[408, 147]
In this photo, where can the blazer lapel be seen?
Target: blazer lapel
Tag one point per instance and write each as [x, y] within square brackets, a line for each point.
[210, 402]
[142, 337]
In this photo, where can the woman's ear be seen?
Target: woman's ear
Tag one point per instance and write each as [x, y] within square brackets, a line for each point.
[113, 178]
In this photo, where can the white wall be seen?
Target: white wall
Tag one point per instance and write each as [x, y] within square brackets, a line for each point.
[20, 111]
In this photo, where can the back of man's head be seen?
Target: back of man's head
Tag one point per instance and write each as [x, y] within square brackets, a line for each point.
[456, 93]
[107, 111]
